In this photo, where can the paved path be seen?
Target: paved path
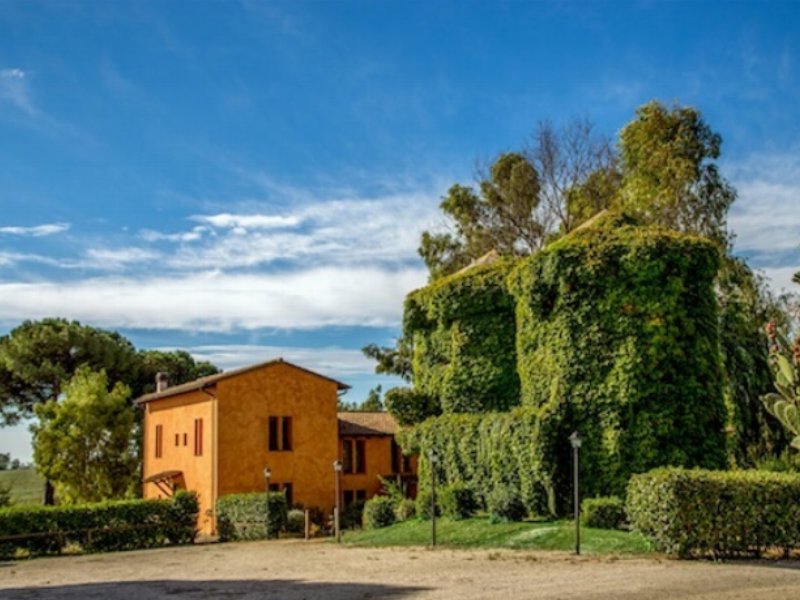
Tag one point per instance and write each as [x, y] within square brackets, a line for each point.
[294, 570]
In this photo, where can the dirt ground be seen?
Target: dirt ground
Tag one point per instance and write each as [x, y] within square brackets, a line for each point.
[293, 570]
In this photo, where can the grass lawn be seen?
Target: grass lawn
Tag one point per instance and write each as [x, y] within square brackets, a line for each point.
[480, 533]
[26, 485]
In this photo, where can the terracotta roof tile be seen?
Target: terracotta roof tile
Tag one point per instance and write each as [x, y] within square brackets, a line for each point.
[366, 423]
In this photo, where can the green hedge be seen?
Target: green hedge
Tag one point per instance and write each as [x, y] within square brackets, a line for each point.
[100, 527]
[606, 512]
[379, 512]
[483, 452]
[617, 337]
[685, 512]
[458, 501]
[462, 330]
[244, 516]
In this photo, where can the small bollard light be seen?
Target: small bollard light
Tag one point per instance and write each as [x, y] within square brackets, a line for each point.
[337, 470]
[575, 441]
[267, 475]
[432, 458]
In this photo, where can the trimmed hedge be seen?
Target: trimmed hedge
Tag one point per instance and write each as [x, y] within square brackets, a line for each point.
[617, 337]
[244, 516]
[462, 330]
[686, 512]
[458, 501]
[99, 527]
[378, 512]
[607, 512]
[505, 504]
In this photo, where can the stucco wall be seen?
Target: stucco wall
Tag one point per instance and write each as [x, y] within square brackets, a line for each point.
[176, 415]
[245, 403]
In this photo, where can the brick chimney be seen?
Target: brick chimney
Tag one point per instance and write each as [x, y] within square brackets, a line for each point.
[162, 382]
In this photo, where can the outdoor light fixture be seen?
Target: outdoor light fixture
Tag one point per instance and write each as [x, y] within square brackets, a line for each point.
[432, 458]
[575, 441]
[267, 475]
[337, 469]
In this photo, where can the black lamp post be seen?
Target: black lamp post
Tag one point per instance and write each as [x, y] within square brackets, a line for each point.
[267, 475]
[432, 458]
[575, 441]
[337, 470]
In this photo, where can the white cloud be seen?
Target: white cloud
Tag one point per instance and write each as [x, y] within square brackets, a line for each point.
[330, 360]
[316, 297]
[106, 258]
[253, 221]
[196, 233]
[35, 230]
[14, 89]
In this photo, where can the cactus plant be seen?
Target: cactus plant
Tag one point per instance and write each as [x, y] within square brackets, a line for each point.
[784, 404]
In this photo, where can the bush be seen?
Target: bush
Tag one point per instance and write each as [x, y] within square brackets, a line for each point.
[405, 509]
[5, 496]
[99, 527]
[296, 521]
[727, 513]
[409, 406]
[458, 501]
[378, 512]
[423, 503]
[603, 513]
[505, 504]
[243, 516]
[353, 515]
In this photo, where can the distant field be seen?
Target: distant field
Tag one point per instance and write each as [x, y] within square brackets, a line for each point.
[26, 485]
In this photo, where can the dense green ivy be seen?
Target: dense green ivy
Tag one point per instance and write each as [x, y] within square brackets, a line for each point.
[616, 336]
[462, 331]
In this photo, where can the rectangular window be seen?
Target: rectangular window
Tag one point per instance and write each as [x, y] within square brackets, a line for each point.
[347, 456]
[395, 450]
[361, 495]
[348, 497]
[274, 487]
[406, 464]
[159, 440]
[185, 439]
[286, 433]
[177, 439]
[361, 457]
[273, 434]
[287, 491]
[198, 437]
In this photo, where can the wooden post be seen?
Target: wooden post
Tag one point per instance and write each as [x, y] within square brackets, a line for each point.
[308, 525]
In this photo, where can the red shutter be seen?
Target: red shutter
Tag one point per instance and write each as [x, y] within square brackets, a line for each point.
[198, 437]
[159, 440]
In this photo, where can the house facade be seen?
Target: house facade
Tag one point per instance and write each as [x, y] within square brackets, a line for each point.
[216, 435]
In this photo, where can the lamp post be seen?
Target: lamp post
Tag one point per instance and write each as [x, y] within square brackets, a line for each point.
[267, 475]
[432, 458]
[337, 470]
[575, 441]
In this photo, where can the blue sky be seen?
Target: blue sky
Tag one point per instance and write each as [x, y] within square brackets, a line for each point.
[249, 179]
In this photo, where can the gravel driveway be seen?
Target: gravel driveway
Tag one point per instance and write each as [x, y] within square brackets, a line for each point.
[290, 570]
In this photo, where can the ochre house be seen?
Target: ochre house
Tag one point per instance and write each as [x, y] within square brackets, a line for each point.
[215, 436]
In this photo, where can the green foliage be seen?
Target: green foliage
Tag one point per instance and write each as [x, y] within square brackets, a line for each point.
[606, 512]
[5, 495]
[378, 512]
[725, 512]
[504, 503]
[458, 501]
[785, 404]
[85, 443]
[99, 527]
[373, 403]
[424, 503]
[409, 406]
[501, 217]
[617, 338]
[391, 361]
[405, 509]
[244, 516]
[179, 366]
[462, 327]
[483, 452]
[353, 515]
[669, 174]
[295, 521]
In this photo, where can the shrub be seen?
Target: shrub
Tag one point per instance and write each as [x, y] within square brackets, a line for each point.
[405, 509]
[687, 512]
[353, 515]
[378, 512]
[99, 527]
[243, 516]
[423, 503]
[603, 513]
[409, 406]
[504, 504]
[5, 496]
[458, 501]
[296, 521]
[462, 331]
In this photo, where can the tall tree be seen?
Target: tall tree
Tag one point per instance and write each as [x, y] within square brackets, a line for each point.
[179, 366]
[86, 443]
[670, 176]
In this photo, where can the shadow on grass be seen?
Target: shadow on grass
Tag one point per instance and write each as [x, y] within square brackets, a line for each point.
[283, 589]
